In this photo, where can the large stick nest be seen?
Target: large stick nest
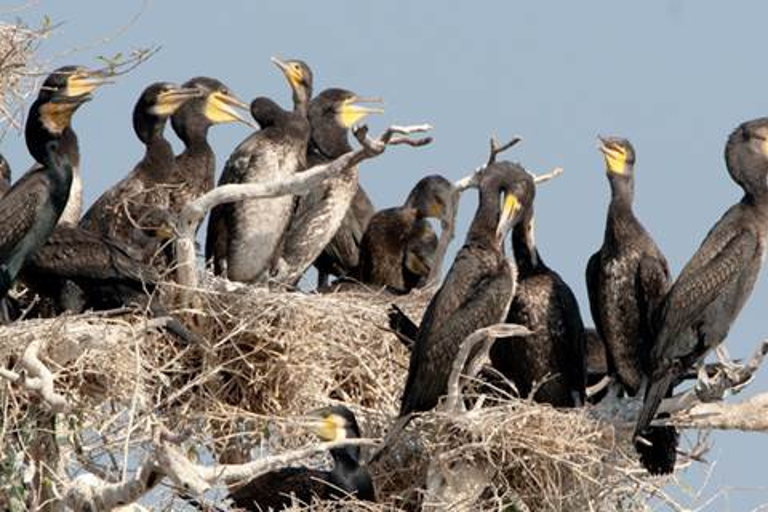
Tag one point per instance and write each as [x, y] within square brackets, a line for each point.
[271, 356]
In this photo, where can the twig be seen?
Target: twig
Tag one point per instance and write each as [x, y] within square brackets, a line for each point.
[40, 377]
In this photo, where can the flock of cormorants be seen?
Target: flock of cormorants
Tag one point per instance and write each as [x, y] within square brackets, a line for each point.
[654, 330]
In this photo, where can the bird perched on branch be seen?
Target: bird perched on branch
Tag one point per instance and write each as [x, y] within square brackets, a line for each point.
[477, 290]
[118, 211]
[276, 490]
[32, 207]
[706, 298]
[244, 237]
[324, 220]
[627, 278]
[195, 169]
[552, 359]
[383, 255]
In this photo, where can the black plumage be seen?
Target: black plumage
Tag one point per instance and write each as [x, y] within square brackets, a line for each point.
[5, 175]
[477, 290]
[706, 298]
[253, 229]
[320, 214]
[553, 356]
[383, 248]
[195, 169]
[627, 277]
[419, 255]
[71, 82]
[118, 212]
[31, 208]
[347, 478]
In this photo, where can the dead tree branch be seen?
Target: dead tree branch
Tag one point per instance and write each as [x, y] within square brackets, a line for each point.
[467, 367]
[194, 212]
[37, 377]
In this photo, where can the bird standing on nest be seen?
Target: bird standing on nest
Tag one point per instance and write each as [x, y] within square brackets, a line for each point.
[383, 254]
[32, 207]
[321, 222]
[706, 298]
[477, 290]
[244, 238]
[276, 490]
[119, 210]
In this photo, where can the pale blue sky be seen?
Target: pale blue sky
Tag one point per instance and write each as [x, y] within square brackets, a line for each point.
[673, 76]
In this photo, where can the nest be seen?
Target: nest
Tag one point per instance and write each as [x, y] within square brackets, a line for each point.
[269, 357]
[18, 43]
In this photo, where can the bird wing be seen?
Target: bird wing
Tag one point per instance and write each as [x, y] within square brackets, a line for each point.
[574, 327]
[19, 209]
[593, 291]
[653, 285]
[701, 282]
[472, 297]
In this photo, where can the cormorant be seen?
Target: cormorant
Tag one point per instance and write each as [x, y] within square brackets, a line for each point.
[33, 205]
[706, 298]
[118, 211]
[320, 214]
[71, 82]
[382, 250]
[253, 229]
[628, 277]
[5, 175]
[419, 254]
[275, 490]
[477, 290]
[195, 168]
[553, 357]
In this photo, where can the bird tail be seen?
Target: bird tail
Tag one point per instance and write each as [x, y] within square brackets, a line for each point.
[658, 446]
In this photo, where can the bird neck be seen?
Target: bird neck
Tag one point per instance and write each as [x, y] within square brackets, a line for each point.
[482, 231]
[330, 145]
[622, 194]
[346, 458]
[755, 192]
[159, 158]
[524, 249]
[301, 97]
[195, 138]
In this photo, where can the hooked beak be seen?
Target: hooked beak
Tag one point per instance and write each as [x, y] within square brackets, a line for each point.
[352, 111]
[224, 108]
[84, 83]
[170, 101]
[293, 75]
[508, 211]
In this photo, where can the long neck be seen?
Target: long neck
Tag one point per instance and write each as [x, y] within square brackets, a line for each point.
[195, 139]
[301, 97]
[756, 193]
[524, 248]
[346, 457]
[482, 231]
[331, 143]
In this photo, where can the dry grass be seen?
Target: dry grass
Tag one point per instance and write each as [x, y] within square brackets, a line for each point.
[271, 356]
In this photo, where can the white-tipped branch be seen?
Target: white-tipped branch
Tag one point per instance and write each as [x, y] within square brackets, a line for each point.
[194, 213]
[37, 377]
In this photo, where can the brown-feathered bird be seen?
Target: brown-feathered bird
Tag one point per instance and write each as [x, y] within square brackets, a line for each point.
[117, 213]
[477, 290]
[706, 298]
[320, 214]
[276, 490]
[383, 248]
[244, 237]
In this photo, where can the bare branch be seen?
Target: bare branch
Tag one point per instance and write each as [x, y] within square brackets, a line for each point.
[89, 492]
[40, 378]
[497, 149]
[301, 183]
[468, 368]
[543, 178]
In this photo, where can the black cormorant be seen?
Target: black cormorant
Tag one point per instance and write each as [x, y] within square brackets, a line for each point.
[628, 277]
[71, 82]
[382, 251]
[477, 290]
[195, 169]
[31, 208]
[347, 478]
[419, 254]
[253, 229]
[118, 212]
[553, 357]
[706, 298]
[320, 214]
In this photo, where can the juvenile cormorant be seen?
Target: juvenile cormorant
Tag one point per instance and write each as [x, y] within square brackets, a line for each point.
[275, 490]
[553, 357]
[195, 168]
[628, 277]
[71, 82]
[419, 254]
[706, 298]
[253, 229]
[382, 249]
[118, 211]
[33, 205]
[477, 290]
[320, 214]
